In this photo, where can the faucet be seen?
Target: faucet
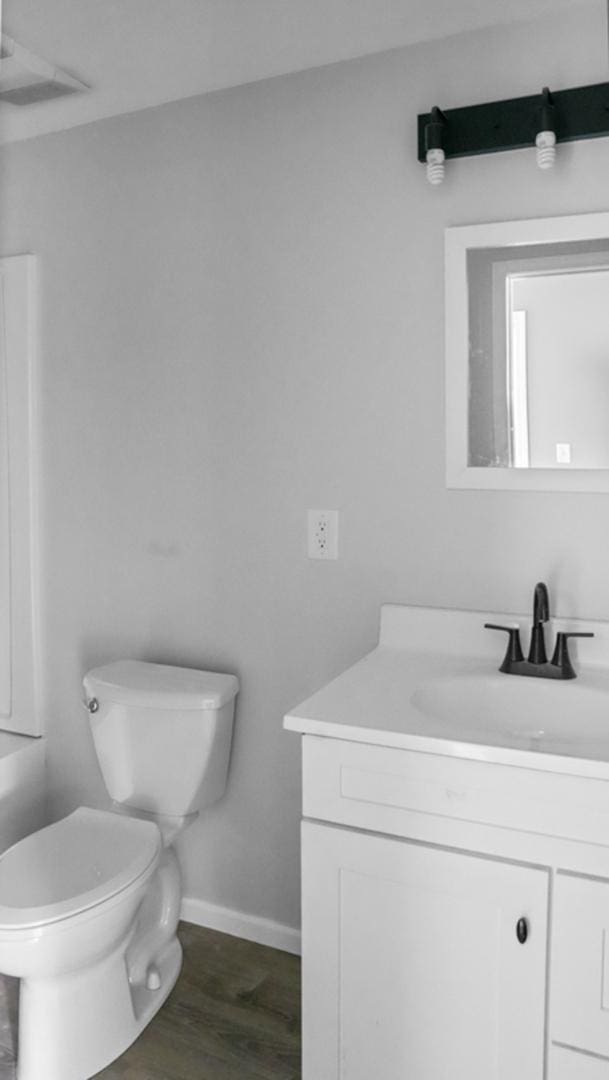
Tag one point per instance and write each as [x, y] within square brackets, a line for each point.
[541, 615]
[536, 664]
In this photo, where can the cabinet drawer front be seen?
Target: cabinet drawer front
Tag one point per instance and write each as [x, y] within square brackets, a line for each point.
[379, 788]
[569, 1065]
[579, 1006]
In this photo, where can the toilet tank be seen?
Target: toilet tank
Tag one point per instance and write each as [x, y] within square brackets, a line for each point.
[162, 734]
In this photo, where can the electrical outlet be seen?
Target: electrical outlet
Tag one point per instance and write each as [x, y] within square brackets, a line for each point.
[322, 534]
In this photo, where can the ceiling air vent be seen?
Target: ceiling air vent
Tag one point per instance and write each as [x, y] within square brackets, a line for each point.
[27, 79]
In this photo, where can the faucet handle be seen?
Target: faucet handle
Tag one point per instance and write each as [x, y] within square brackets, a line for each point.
[514, 651]
[561, 658]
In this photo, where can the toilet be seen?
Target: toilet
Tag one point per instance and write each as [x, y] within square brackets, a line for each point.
[89, 906]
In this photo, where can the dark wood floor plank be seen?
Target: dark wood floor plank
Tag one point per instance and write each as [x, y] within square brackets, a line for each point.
[234, 1015]
[9, 994]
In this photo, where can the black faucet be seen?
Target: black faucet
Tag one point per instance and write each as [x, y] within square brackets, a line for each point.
[541, 614]
[536, 664]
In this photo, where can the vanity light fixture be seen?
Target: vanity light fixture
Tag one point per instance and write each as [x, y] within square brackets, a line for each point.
[434, 150]
[536, 120]
[545, 140]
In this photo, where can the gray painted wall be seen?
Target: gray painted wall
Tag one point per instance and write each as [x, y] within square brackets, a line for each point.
[242, 317]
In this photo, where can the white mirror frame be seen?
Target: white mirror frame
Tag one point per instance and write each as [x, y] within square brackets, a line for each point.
[19, 638]
[459, 240]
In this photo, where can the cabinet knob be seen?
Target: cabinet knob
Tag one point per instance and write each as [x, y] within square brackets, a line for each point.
[522, 930]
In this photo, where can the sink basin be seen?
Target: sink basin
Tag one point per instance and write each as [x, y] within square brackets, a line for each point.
[533, 713]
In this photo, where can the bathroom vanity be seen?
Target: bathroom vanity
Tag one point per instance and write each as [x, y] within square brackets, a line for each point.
[455, 845]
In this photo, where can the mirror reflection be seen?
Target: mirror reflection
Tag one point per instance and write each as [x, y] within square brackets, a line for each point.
[539, 355]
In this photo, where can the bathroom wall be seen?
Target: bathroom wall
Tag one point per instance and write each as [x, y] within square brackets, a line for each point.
[241, 318]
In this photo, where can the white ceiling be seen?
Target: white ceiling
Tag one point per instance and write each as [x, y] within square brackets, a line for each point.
[137, 53]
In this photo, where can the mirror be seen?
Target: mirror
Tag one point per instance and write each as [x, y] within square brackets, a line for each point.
[527, 350]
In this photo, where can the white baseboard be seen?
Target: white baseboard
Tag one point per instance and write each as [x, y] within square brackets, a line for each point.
[237, 923]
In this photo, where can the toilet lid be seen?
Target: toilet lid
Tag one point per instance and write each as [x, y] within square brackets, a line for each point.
[159, 686]
[73, 865]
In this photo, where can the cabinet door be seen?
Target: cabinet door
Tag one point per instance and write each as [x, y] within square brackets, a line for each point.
[412, 968]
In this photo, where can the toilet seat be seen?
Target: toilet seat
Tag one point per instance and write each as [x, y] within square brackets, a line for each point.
[71, 866]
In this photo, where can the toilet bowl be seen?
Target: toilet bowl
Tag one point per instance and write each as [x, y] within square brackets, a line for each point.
[89, 906]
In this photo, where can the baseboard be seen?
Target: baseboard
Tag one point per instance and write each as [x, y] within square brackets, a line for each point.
[237, 923]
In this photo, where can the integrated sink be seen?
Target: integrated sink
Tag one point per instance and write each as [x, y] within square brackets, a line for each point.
[534, 714]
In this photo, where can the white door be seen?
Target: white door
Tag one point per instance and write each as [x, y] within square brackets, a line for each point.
[412, 966]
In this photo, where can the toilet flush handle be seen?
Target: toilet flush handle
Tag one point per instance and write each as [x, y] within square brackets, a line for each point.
[92, 705]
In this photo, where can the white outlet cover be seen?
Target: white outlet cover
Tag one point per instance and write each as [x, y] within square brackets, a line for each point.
[322, 534]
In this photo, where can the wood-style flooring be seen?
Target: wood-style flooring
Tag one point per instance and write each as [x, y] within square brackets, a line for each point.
[233, 1015]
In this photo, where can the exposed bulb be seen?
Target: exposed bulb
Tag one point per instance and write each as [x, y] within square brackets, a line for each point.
[435, 166]
[546, 149]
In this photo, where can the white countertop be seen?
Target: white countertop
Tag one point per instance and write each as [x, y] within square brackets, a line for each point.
[376, 700]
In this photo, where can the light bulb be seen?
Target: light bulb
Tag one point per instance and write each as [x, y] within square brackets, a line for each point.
[435, 166]
[546, 149]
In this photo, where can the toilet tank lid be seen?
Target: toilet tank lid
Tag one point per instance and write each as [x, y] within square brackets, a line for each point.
[159, 686]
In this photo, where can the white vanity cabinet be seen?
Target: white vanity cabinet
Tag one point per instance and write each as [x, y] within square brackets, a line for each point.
[412, 963]
[455, 875]
[419, 886]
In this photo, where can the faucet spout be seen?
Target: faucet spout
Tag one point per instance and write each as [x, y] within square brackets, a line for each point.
[541, 614]
[541, 604]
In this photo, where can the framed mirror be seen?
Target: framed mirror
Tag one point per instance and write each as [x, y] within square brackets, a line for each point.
[527, 354]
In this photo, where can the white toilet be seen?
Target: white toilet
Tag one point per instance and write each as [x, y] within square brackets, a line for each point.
[89, 906]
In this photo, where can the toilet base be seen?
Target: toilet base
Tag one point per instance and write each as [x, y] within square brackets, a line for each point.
[72, 1026]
